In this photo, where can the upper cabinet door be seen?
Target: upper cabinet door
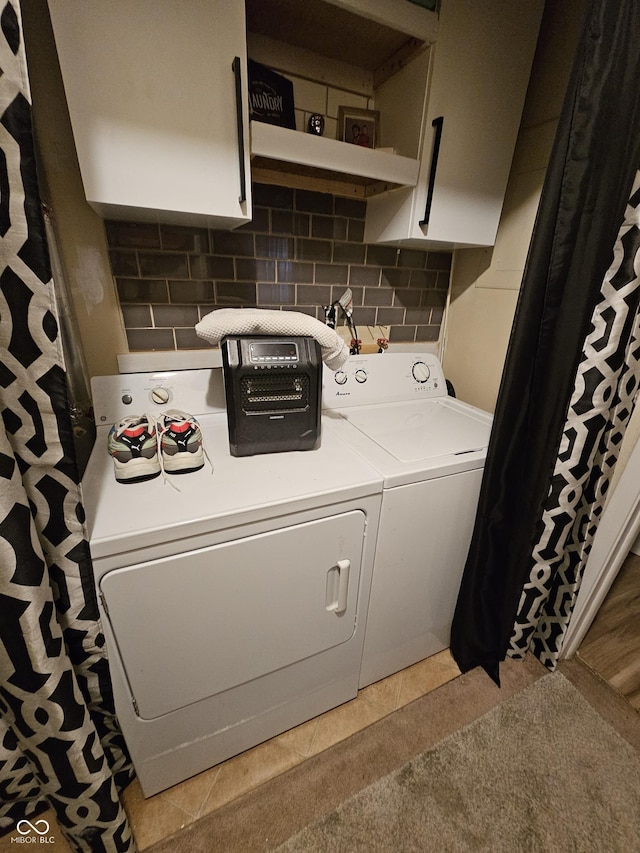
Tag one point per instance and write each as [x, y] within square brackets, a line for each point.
[157, 96]
[481, 66]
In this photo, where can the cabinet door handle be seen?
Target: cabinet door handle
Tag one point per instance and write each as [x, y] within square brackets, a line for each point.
[437, 123]
[243, 177]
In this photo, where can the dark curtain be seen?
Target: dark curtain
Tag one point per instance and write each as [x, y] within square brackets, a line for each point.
[587, 188]
[60, 744]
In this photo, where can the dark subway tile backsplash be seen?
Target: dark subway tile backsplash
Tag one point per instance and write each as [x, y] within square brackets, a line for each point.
[276, 294]
[137, 235]
[233, 243]
[378, 296]
[274, 247]
[137, 316]
[299, 253]
[178, 238]
[395, 277]
[330, 227]
[289, 222]
[268, 195]
[314, 202]
[238, 293]
[382, 256]
[313, 250]
[163, 264]
[348, 253]
[295, 271]
[151, 339]
[211, 266]
[412, 258]
[332, 274]
[351, 207]
[423, 279]
[173, 316]
[191, 292]
[313, 294]
[255, 269]
[136, 291]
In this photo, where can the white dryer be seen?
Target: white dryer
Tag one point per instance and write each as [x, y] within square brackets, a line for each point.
[430, 448]
[233, 605]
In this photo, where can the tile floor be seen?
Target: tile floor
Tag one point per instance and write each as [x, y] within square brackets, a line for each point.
[169, 811]
[162, 815]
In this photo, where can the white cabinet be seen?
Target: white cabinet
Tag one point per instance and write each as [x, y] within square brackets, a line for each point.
[157, 96]
[481, 65]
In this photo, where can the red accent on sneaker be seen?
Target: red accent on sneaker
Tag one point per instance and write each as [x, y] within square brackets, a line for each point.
[183, 427]
[135, 431]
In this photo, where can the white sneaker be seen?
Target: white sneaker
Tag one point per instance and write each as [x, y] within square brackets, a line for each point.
[133, 446]
[180, 440]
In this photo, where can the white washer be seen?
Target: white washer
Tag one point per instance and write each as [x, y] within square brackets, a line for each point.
[235, 607]
[430, 449]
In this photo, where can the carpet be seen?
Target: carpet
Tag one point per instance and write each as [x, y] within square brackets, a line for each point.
[541, 772]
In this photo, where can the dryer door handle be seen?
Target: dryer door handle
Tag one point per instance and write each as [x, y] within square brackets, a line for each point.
[338, 576]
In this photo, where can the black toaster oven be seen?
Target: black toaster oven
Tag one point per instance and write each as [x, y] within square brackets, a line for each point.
[273, 389]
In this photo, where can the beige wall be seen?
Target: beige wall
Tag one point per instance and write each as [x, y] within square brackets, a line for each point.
[485, 282]
[80, 235]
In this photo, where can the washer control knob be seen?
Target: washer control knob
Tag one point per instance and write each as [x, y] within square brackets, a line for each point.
[361, 375]
[127, 399]
[420, 371]
[340, 377]
[160, 395]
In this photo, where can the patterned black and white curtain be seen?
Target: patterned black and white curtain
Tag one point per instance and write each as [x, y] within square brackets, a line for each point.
[602, 401]
[60, 746]
[572, 369]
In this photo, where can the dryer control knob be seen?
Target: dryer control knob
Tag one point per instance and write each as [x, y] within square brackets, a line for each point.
[361, 375]
[420, 371]
[340, 377]
[160, 395]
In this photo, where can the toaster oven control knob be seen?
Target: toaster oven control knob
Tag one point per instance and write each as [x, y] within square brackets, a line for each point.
[340, 376]
[361, 375]
[160, 395]
[420, 371]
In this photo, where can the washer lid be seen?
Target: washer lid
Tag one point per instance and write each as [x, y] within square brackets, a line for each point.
[421, 430]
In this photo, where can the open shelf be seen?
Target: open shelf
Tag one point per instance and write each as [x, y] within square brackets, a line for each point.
[361, 171]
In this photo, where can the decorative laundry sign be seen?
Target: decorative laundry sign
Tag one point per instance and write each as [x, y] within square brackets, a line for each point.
[270, 96]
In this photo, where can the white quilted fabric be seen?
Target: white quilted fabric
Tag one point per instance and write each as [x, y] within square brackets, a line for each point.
[262, 321]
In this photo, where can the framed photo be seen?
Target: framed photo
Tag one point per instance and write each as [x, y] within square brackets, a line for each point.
[359, 127]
